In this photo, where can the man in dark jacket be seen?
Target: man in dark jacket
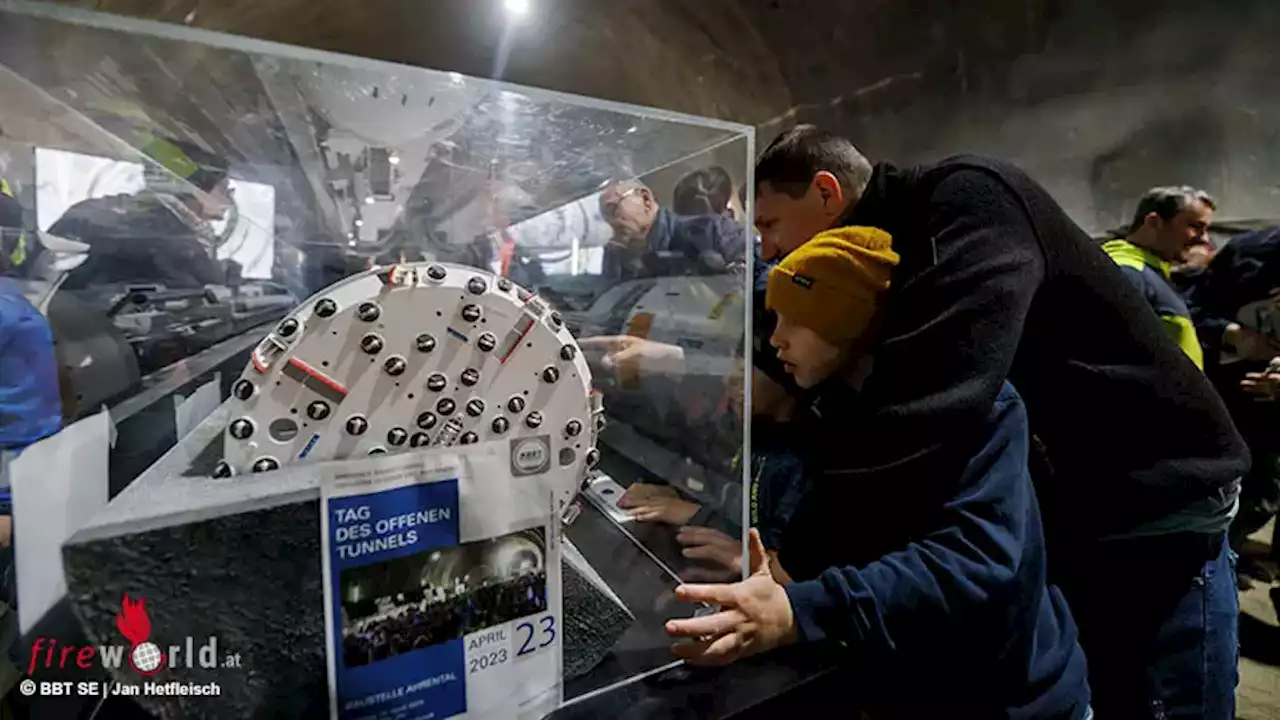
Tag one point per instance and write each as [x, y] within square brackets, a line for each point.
[1234, 304]
[1138, 460]
[966, 605]
[162, 235]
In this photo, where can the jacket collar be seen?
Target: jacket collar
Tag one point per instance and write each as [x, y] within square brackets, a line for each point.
[661, 232]
[884, 194]
[1131, 255]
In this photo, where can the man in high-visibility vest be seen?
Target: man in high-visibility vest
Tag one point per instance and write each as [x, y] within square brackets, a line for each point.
[15, 248]
[1168, 223]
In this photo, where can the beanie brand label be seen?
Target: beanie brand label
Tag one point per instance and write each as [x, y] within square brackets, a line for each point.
[802, 281]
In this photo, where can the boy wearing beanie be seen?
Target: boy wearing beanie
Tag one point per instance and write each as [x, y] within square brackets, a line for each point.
[949, 589]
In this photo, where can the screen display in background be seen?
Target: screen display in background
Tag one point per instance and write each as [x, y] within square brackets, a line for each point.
[65, 178]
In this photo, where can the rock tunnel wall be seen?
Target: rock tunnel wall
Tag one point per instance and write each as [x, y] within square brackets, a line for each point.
[1099, 101]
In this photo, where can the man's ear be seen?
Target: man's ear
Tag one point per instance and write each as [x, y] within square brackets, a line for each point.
[647, 196]
[1152, 220]
[829, 191]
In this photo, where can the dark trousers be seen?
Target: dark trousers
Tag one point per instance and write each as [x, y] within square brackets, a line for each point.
[1158, 621]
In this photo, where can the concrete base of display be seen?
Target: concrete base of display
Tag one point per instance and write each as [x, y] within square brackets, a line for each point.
[231, 574]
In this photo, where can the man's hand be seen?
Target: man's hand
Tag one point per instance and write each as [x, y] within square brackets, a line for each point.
[1249, 344]
[651, 505]
[626, 354]
[1264, 386]
[755, 616]
[6, 530]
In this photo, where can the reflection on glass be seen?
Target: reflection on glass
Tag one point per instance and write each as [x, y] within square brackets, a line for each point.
[182, 192]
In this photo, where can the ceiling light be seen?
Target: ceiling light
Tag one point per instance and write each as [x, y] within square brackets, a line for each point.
[351, 243]
[516, 8]
[394, 159]
[369, 200]
[359, 222]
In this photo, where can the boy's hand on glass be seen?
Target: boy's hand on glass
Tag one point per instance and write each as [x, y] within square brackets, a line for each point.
[650, 502]
[643, 491]
[662, 509]
[755, 616]
[711, 546]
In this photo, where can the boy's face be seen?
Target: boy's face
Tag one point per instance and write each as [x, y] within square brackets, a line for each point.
[804, 354]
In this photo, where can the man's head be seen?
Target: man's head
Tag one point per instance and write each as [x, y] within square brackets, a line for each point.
[629, 207]
[827, 295]
[1171, 220]
[192, 173]
[213, 203]
[805, 180]
[703, 192]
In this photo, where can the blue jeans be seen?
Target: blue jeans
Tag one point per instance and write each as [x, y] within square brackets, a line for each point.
[1158, 619]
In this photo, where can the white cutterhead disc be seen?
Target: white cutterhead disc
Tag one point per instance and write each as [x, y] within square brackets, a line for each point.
[411, 357]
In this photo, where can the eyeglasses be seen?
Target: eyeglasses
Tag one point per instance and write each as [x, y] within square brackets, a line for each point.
[610, 209]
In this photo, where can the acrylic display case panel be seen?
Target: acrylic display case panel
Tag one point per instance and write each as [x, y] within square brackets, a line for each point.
[172, 195]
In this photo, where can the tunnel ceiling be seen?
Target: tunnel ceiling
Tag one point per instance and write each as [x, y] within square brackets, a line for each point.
[1064, 87]
[751, 60]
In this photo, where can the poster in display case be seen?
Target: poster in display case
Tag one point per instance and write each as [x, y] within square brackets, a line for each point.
[227, 184]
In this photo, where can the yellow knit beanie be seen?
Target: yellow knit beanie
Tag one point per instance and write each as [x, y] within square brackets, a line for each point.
[833, 283]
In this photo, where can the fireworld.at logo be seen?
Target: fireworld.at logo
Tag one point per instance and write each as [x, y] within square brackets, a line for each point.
[134, 624]
[145, 656]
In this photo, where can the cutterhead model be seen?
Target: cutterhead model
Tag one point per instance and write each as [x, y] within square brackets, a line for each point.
[416, 356]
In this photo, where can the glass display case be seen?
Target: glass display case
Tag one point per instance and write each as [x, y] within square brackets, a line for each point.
[170, 195]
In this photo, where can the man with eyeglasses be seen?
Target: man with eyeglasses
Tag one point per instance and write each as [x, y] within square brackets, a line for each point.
[651, 241]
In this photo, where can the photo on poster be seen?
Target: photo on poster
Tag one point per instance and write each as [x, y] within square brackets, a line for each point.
[437, 605]
[415, 602]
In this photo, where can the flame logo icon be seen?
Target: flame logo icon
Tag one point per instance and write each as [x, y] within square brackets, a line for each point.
[132, 622]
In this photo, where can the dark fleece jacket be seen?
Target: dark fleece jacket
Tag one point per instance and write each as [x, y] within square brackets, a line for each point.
[996, 282]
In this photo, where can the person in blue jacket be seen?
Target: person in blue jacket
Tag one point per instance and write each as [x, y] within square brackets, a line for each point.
[30, 406]
[946, 613]
[651, 241]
